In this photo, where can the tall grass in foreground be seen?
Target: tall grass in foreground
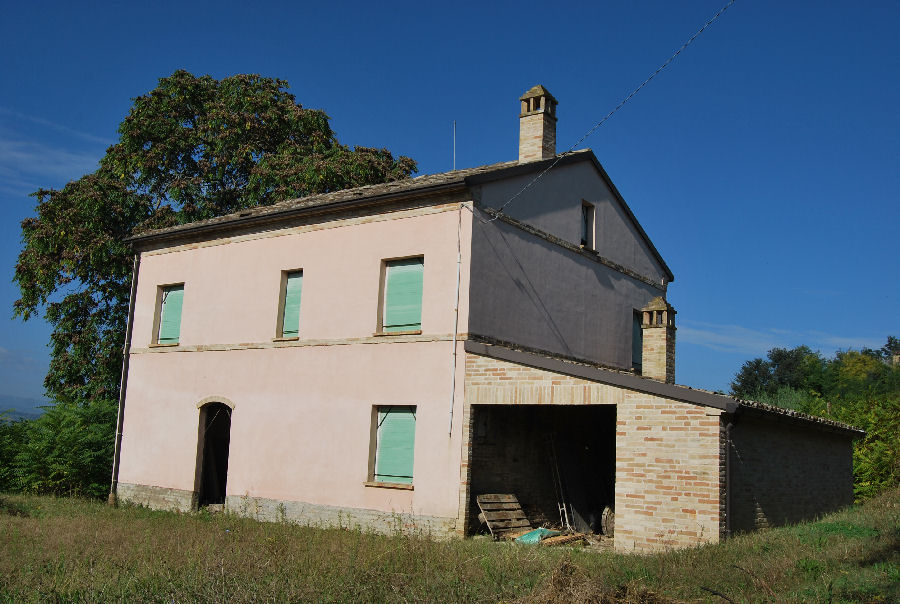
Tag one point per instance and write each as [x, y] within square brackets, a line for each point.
[75, 550]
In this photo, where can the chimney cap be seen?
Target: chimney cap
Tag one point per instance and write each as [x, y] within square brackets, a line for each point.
[538, 91]
[657, 303]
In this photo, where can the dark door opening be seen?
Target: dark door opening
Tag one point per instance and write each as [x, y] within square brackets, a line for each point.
[215, 436]
[546, 455]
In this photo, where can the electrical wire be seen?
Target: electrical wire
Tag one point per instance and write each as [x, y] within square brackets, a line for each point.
[614, 110]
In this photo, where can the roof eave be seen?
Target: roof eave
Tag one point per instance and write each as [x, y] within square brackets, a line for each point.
[264, 218]
[676, 392]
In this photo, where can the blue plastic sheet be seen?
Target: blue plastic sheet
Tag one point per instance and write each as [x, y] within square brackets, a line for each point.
[536, 535]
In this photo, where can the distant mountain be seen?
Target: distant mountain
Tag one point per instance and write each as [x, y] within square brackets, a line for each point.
[20, 407]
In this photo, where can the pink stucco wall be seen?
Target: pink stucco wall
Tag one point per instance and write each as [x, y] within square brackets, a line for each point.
[302, 414]
[231, 291]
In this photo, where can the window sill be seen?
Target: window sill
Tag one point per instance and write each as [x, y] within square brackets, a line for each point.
[164, 345]
[414, 332]
[389, 485]
[292, 339]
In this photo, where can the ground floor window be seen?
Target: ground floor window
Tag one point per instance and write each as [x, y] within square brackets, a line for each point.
[395, 437]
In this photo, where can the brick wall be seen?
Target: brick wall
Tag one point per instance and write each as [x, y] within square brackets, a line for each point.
[783, 473]
[537, 137]
[667, 474]
[658, 353]
[667, 462]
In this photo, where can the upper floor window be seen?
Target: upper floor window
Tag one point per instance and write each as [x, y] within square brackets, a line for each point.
[168, 317]
[402, 303]
[637, 342]
[588, 217]
[289, 304]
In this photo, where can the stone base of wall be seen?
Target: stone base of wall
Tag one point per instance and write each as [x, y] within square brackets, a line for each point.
[298, 512]
[156, 498]
[326, 516]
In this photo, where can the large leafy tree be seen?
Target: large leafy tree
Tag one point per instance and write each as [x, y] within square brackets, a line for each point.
[798, 368]
[192, 148]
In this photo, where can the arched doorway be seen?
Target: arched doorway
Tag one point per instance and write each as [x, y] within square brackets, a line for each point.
[212, 462]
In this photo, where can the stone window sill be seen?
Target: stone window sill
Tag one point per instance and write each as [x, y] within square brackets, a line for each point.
[414, 332]
[389, 485]
[164, 345]
[282, 339]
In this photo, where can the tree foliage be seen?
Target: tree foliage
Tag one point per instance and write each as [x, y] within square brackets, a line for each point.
[192, 148]
[860, 388]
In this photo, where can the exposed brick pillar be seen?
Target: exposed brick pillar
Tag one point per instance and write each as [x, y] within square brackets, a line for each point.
[537, 125]
[658, 352]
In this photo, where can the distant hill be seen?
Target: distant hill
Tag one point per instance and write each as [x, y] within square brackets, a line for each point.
[20, 407]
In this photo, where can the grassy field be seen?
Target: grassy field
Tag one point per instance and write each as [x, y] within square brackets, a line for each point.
[74, 550]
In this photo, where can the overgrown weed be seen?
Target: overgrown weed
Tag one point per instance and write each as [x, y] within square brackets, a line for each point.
[65, 549]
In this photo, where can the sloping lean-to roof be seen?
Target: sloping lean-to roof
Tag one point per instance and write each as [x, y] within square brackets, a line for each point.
[631, 381]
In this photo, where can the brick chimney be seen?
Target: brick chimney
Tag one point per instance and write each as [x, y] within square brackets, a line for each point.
[537, 125]
[658, 352]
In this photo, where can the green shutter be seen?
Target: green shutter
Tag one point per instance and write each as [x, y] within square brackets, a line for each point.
[403, 295]
[170, 314]
[396, 437]
[637, 341]
[290, 320]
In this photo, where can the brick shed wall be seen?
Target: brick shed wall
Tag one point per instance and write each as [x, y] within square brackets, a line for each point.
[667, 474]
[667, 484]
[783, 473]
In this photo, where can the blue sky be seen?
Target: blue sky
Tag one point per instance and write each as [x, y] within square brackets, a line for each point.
[764, 162]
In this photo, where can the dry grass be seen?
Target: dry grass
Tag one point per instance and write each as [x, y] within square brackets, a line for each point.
[72, 550]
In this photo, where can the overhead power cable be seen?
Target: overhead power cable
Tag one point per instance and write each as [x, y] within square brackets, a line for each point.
[615, 109]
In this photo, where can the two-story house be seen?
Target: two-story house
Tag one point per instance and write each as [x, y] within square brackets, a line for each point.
[385, 354]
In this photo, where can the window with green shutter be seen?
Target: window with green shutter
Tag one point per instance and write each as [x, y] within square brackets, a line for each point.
[394, 444]
[170, 314]
[403, 295]
[290, 314]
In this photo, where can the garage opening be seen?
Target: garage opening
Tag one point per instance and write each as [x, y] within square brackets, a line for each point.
[215, 437]
[558, 461]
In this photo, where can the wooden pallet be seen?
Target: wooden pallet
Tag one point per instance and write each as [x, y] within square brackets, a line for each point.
[502, 514]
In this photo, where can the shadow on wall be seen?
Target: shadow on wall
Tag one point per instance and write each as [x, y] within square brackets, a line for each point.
[781, 474]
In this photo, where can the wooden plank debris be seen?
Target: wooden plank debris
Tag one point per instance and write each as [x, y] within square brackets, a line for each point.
[562, 539]
[502, 513]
